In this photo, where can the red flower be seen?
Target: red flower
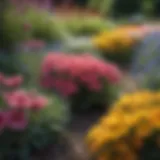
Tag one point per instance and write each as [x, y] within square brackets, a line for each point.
[17, 120]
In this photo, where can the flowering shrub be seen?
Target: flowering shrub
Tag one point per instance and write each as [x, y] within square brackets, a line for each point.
[81, 78]
[28, 121]
[131, 130]
[117, 45]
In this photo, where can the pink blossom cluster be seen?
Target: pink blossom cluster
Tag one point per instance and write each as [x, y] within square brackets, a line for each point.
[18, 105]
[67, 73]
[11, 82]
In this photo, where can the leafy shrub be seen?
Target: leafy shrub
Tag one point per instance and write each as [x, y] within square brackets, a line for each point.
[86, 25]
[14, 29]
[29, 121]
[83, 79]
[131, 130]
[93, 4]
[43, 25]
[118, 44]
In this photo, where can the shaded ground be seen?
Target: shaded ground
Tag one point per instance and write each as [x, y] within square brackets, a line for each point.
[72, 145]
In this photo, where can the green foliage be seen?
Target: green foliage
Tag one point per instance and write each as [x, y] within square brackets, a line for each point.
[86, 25]
[86, 100]
[43, 25]
[10, 64]
[12, 28]
[94, 4]
[106, 7]
[48, 125]
[45, 125]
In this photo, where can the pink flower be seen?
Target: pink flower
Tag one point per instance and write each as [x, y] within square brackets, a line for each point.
[19, 99]
[13, 81]
[69, 88]
[81, 70]
[3, 120]
[39, 102]
[17, 120]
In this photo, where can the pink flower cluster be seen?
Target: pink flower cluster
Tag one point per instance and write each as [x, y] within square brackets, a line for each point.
[21, 99]
[67, 73]
[11, 82]
[18, 104]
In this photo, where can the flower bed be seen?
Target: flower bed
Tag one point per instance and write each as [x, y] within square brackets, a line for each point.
[83, 79]
[28, 120]
[131, 130]
[118, 44]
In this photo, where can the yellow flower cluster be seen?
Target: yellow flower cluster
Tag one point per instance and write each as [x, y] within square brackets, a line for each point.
[118, 40]
[122, 133]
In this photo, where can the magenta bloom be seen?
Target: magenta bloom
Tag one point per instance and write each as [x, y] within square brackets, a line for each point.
[18, 99]
[39, 102]
[17, 120]
[67, 73]
[15, 81]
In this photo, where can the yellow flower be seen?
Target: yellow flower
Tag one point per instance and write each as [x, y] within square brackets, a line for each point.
[132, 119]
[144, 129]
[155, 118]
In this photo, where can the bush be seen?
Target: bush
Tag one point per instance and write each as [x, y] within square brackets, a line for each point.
[29, 121]
[14, 30]
[43, 25]
[80, 26]
[131, 130]
[118, 44]
[83, 79]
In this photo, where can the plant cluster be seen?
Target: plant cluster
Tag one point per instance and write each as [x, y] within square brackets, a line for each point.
[27, 120]
[79, 76]
[82, 26]
[118, 44]
[131, 130]
[43, 25]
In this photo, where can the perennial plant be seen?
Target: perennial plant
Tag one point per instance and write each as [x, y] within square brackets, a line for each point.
[83, 78]
[117, 45]
[131, 130]
[28, 121]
